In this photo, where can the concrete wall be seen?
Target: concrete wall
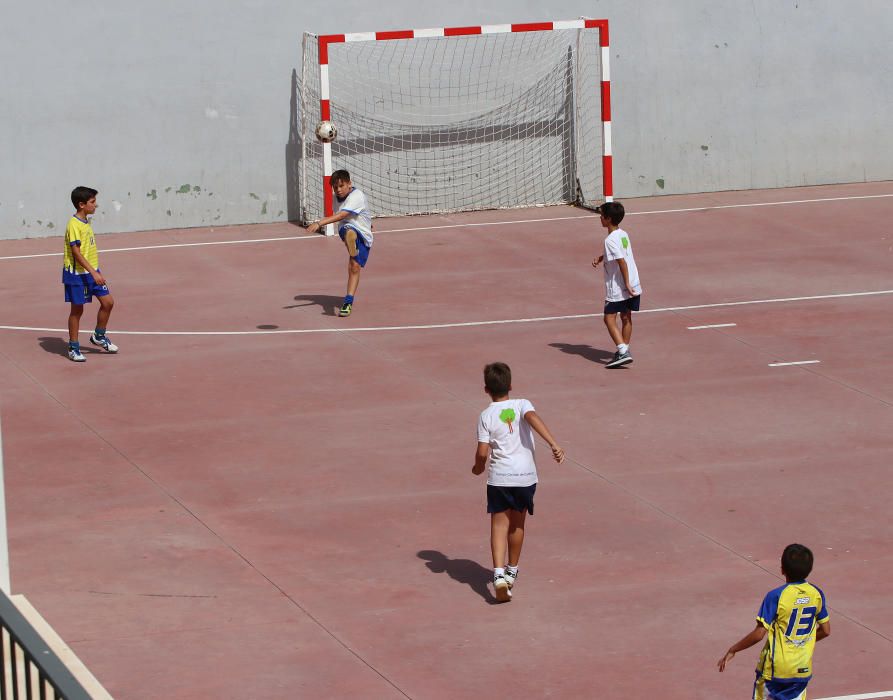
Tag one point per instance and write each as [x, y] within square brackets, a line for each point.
[180, 112]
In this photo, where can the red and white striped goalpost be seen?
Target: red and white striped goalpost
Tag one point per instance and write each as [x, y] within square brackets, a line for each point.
[600, 24]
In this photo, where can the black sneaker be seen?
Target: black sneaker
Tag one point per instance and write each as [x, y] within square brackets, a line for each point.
[619, 360]
[345, 309]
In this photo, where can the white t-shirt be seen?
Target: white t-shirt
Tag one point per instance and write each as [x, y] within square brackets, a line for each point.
[510, 437]
[617, 246]
[360, 218]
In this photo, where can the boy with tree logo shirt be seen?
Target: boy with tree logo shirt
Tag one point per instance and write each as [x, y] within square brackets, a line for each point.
[505, 436]
[623, 291]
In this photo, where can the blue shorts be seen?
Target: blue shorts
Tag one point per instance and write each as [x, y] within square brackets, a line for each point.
[363, 248]
[778, 690]
[501, 498]
[83, 292]
[618, 307]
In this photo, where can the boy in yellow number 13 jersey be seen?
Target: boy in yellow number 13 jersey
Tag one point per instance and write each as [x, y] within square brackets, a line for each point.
[795, 617]
[81, 275]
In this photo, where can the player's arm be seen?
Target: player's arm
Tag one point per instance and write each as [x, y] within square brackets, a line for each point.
[535, 422]
[824, 630]
[757, 635]
[326, 220]
[82, 261]
[624, 270]
[597, 260]
[480, 458]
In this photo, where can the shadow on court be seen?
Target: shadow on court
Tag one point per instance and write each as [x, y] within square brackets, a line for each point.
[462, 570]
[592, 354]
[326, 302]
[59, 346]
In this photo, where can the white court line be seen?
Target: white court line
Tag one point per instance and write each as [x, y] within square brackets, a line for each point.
[646, 213]
[464, 324]
[715, 325]
[862, 696]
[470, 225]
[791, 364]
[762, 204]
[311, 237]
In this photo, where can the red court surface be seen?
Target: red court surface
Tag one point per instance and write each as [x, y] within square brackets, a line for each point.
[257, 499]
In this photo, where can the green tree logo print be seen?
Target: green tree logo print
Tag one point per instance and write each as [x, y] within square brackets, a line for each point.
[507, 415]
[624, 242]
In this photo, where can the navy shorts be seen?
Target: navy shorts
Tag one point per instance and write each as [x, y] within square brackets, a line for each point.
[779, 690]
[363, 248]
[618, 307]
[502, 498]
[84, 292]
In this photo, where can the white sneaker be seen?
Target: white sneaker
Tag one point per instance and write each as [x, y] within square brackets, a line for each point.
[510, 578]
[501, 586]
[103, 342]
[75, 355]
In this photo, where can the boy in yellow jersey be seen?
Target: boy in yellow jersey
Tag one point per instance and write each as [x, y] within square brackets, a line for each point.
[795, 616]
[81, 275]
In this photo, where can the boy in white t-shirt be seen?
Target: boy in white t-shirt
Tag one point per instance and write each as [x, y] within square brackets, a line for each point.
[504, 435]
[623, 291]
[355, 228]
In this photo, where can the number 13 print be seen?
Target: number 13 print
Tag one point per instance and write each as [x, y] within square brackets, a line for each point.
[801, 621]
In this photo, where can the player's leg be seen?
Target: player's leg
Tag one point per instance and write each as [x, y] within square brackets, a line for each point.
[626, 317]
[499, 528]
[626, 320]
[106, 304]
[353, 276]
[74, 324]
[612, 309]
[515, 535]
[515, 542]
[611, 324]
[349, 236]
[499, 531]
[358, 253]
[74, 321]
[353, 281]
[610, 318]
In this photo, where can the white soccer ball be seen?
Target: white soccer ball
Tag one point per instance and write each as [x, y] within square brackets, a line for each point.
[326, 131]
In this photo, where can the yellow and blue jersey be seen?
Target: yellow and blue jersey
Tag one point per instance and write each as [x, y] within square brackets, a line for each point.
[791, 614]
[81, 233]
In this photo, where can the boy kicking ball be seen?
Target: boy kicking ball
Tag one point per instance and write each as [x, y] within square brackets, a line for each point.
[355, 228]
[504, 434]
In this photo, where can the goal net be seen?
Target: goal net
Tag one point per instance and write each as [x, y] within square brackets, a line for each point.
[462, 119]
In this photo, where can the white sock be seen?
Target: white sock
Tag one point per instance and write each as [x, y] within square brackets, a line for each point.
[498, 572]
[623, 348]
[513, 570]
